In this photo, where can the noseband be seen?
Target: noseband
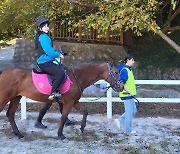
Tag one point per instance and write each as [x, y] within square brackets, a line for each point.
[112, 76]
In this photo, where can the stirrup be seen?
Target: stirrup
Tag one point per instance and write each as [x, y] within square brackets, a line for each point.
[55, 96]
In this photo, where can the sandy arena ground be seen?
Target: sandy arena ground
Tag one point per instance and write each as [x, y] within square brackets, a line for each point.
[101, 136]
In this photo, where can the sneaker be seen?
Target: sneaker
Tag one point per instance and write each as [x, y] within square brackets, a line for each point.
[117, 123]
[54, 96]
[132, 132]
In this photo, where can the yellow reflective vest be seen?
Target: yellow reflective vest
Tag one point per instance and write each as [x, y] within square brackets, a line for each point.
[130, 84]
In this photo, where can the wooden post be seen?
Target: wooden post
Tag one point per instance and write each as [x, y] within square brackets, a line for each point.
[121, 37]
[80, 34]
[54, 30]
[107, 35]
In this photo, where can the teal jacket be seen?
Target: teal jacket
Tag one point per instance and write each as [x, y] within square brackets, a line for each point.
[49, 53]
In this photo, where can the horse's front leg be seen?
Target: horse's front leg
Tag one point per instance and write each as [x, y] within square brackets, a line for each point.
[66, 109]
[11, 113]
[79, 106]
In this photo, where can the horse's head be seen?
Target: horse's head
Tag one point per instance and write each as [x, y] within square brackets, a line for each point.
[114, 78]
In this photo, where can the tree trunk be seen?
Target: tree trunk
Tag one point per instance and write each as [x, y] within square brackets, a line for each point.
[128, 40]
[168, 40]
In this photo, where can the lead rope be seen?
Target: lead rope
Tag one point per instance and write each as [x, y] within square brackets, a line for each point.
[138, 103]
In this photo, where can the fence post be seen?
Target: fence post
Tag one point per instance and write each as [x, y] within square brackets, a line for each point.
[54, 29]
[107, 35]
[23, 107]
[109, 102]
[121, 37]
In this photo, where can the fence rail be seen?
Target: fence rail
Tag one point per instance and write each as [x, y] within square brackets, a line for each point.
[64, 29]
[109, 98]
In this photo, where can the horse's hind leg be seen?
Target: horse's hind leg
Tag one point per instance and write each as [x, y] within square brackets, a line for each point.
[68, 122]
[11, 113]
[3, 102]
[42, 112]
[79, 106]
[2, 105]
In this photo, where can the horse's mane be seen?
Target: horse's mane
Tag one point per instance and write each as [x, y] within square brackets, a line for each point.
[85, 65]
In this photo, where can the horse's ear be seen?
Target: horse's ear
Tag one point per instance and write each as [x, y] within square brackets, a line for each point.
[111, 61]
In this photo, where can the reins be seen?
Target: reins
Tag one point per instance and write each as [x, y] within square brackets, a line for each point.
[79, 87]
[82, 91]
[76, 80]
[98, 97]
[110, 74]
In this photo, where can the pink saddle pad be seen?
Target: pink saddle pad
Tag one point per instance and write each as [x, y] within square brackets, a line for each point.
[42, 84]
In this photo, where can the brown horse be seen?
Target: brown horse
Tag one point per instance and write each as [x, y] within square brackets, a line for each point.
[17, 82]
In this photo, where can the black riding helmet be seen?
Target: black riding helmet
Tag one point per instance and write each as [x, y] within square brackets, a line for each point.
[42, 21]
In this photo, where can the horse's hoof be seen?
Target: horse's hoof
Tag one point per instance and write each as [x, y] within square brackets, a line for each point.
[82, 130]
[19, 135]
[40, 125]
[69, 122]
[62, 137]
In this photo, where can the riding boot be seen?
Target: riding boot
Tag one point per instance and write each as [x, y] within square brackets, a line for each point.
[55, 95]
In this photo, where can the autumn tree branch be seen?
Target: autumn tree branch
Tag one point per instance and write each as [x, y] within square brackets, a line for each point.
[84, 4]
[167, 24]
[168, 40]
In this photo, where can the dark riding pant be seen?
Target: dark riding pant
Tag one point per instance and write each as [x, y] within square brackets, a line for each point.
[56, 72]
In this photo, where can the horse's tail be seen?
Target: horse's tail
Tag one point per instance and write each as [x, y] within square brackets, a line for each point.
[0, 71]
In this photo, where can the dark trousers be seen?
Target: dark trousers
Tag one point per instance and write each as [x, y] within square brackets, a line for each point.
[56, 72]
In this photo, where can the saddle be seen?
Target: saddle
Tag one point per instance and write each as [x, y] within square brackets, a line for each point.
[38, 70]
[43, 82]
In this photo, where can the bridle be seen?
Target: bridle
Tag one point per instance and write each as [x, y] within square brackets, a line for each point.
[111, 76]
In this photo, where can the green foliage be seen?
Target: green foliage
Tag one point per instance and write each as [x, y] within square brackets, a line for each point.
[173, 3]
[167, 15]
[18, 17]
[158, 53]
[136, 15]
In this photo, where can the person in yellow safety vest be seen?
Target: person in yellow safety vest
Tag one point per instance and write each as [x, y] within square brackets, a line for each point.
[126, 74]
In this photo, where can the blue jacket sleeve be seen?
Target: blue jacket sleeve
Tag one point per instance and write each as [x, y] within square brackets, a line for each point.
[124, 75]
[46, 45]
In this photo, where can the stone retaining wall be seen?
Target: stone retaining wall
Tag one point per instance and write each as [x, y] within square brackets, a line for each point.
[25, 56]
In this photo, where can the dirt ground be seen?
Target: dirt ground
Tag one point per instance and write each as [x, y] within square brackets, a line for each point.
[154, 135]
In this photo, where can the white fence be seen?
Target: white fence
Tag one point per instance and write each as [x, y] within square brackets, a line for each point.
[109, 98]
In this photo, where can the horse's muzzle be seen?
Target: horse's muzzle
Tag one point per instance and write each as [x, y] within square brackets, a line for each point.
[118, 86]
